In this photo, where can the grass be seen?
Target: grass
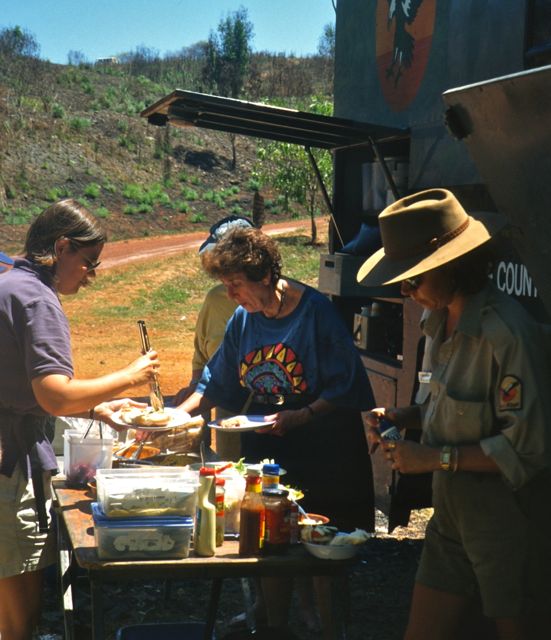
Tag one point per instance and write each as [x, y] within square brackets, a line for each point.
[165, 289]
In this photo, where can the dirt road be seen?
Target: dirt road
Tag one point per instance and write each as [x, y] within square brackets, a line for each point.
[125, 251]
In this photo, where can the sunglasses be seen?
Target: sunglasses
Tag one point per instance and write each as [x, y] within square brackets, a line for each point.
[415, 282]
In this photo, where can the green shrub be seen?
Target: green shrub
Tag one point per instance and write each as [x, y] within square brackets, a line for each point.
[130, 210]
[56, 193]
[93, 190]
[197, 217]
[182, 207]
[102, 212]
[236, 210]
[58, 111]
[253, 184]
[80, 124]
[189, 194]
[183, 176]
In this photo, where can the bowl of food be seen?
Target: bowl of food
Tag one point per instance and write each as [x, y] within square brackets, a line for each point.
[129, 453]
[328, 551]
[312, 519]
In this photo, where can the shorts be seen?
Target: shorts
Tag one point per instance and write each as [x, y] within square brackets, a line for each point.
[22, 547]
[476, 543]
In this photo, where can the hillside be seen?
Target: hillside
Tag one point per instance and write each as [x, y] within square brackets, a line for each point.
[76, 132]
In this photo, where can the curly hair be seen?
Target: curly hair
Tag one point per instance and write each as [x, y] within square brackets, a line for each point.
[247, 251]
[64, 219]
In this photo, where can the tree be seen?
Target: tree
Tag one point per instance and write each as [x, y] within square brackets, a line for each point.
[228, 53]
[76, 58]
[287, 168]
[18, 43]
[227, 58]
[326, 45]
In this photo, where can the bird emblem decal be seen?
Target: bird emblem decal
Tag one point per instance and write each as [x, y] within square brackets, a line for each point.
[403, 14]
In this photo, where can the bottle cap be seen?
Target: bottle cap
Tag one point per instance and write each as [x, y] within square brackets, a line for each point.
[220, 482]
[270, 469]
[206, 471]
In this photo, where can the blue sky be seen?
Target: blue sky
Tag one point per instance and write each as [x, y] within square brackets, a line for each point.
[101, 28]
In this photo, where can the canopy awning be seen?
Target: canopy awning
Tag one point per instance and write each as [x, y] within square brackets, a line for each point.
[188, 108]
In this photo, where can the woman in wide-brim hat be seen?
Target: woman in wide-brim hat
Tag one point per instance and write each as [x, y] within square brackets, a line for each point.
[482, 410]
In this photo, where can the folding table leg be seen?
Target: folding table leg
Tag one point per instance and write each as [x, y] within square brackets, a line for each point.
[212, 608]
[65, 580]
[98, 627]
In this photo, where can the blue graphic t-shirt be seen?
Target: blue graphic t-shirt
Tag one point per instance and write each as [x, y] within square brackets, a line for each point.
[308, 353]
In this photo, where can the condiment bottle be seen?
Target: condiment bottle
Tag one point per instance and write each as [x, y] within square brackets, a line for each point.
[270, 477]
[277, 531]
[204, 540]
[294, 528]
[220, 511]
[252, 515]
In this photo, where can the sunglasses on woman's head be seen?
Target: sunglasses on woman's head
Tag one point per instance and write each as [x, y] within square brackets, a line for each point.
[415, 282]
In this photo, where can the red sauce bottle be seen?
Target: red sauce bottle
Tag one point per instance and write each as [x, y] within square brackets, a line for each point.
[252, 517]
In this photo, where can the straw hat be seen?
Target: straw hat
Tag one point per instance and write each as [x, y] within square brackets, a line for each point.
[424, 231]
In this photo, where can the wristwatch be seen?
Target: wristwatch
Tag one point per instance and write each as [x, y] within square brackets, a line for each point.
[445, 458]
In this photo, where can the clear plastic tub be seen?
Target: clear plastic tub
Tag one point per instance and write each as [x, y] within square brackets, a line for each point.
[147, 491]
[141, 538]
[82, 457]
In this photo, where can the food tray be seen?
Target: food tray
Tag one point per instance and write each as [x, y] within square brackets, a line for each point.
[141, 538]
[150, 491]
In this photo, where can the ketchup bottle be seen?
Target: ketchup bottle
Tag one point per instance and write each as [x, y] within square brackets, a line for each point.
[252, 516]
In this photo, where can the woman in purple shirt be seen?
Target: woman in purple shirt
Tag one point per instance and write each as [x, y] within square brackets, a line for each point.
[62, 252]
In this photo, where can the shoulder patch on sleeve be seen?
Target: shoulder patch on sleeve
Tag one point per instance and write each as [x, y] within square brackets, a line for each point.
[510, 393]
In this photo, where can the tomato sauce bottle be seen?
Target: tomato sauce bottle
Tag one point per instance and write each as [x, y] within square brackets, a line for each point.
[252, 517]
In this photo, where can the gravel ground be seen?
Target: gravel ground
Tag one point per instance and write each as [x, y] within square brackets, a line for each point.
[379, 587]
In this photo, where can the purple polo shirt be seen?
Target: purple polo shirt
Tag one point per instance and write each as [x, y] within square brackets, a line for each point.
[34, 341]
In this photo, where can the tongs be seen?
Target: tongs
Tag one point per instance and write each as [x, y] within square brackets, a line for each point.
[155, 394]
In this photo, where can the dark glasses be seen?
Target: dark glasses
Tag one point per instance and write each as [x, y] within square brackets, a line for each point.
[415, 282]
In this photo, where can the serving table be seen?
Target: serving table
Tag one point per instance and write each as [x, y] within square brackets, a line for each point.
[76, 543]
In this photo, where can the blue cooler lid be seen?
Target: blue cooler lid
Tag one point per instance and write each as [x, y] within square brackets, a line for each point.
[101, 520]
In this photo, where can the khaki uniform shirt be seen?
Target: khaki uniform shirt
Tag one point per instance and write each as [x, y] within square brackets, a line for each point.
[490, 383]
[217, 309]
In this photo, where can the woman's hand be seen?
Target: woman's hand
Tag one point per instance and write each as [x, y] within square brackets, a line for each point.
[143, 369]
[285, 421]
[105, 410]
[407, 456]
[371, 426]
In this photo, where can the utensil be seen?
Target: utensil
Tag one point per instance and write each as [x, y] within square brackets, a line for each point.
[136, 454]
[155, 394]
[247, 403]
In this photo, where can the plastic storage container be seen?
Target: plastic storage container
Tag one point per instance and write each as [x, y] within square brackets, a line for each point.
[147, 491]
[82, 457]
[141, 538]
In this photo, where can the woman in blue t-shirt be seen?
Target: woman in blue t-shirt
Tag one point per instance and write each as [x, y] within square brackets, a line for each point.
[287, 355]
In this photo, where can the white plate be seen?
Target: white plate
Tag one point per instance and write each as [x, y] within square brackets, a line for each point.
[177, 419]
[252, 423]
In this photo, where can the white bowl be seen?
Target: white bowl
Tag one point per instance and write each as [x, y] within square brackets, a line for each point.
[332, 551]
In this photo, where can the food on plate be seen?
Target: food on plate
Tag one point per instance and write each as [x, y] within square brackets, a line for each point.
[147, 417]
[236, 421]
[312, 519]
[321, 533]
[358, 536]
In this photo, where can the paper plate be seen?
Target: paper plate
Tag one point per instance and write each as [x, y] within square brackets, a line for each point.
[177, 419]
[247, 423]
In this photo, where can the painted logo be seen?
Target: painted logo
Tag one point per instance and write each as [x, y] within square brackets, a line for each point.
[273, 369]
[510, 393]
[404, 36]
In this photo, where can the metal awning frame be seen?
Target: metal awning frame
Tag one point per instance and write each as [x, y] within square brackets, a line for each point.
[188, 108]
